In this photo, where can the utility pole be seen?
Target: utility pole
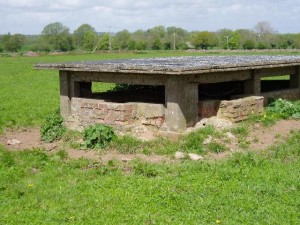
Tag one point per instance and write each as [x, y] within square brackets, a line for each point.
[109, 38]
[174, 41]
[227, 37]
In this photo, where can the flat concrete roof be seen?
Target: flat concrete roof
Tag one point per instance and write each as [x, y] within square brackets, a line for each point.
[177, 65]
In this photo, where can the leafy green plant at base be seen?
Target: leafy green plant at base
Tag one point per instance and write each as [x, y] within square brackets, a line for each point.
[53, 128]
[98, 136]
[285, 108]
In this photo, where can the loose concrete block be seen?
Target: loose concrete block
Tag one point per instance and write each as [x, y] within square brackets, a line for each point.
[240, 109]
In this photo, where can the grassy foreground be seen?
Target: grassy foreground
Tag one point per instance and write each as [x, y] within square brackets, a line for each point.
[249, 188]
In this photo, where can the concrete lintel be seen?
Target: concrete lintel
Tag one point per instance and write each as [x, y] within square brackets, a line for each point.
[276, 71]
[221, 77]
[121, 78]
[181, 103]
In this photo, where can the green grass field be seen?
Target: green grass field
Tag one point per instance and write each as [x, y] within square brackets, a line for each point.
[38, 188]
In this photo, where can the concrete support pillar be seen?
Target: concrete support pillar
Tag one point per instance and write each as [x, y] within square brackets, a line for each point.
[295, 79]
[65, 94]
[181, 100]
[253, 86]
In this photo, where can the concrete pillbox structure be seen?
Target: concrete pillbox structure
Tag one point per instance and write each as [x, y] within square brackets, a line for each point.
[185, 85]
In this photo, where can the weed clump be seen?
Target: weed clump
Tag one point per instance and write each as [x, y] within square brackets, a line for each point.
[284, 108]
[53, 128]
[97, 136]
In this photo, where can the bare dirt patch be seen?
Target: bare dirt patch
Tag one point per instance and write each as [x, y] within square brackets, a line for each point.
[260, 138]
[29, 138]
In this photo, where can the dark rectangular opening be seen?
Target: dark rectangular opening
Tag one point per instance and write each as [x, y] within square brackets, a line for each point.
[221, 90]
[269, 84]
[122, 93]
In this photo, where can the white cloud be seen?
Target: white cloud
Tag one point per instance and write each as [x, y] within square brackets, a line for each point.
[30, 16]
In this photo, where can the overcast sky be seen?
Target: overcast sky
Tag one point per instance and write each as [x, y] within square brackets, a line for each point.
[31, 16]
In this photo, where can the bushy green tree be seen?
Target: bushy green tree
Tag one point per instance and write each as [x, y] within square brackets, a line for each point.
[285, 41]
[176, 36]
[261, 45]
[131, 44]
[203, 39]
[156, 36]
[222, 36]
[12, 43]
[249, 45]
[156, 44]
[234, 41]
[296, 42]
[142, 39]
[141, 45]
[90, 39]
[85, 37]
[103, 43]
[58, 36]
[122, 39]
[157, 32]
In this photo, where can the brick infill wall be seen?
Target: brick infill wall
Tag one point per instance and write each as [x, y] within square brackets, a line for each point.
[86, 112]
[233, 110]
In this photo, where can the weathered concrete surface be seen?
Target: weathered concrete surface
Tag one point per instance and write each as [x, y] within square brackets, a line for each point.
[178, 65]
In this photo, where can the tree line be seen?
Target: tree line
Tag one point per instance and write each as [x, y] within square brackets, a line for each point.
[57, 37]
